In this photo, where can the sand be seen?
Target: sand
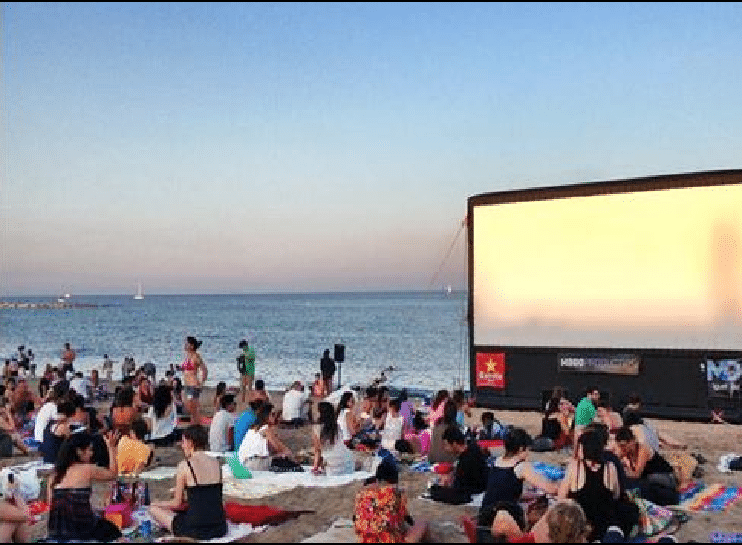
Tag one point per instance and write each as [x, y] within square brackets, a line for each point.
[329, 504]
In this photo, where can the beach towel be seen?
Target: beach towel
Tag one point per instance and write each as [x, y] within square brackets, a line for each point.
[266, 483]
[235, 532]
[259, 515]
[716, 497]
[341, 531]
[551, 472]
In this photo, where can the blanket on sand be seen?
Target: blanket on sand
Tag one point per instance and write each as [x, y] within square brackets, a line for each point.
[696, 496]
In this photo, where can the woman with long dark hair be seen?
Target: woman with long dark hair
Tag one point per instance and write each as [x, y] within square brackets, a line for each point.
[436, 409]
[200, 476]
[346, 418]
[163, 418]
[195, 374]
[331, 456]
[71, 516]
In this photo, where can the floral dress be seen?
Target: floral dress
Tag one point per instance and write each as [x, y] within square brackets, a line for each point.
[379, 515]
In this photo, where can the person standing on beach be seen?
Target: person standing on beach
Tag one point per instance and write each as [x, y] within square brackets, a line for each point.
[327, 367]
[246, 367]
[68, 358]
[192, 366]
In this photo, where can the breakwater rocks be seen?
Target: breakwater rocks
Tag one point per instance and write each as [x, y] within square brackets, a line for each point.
[52, 305]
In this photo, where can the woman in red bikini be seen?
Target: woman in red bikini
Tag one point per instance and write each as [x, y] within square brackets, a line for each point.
[192, 366]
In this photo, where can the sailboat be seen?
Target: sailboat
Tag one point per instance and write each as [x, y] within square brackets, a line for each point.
[139, 294]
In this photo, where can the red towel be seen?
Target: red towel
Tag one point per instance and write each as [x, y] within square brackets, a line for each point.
[259, 515]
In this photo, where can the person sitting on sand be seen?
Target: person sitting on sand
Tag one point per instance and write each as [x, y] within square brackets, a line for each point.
[647, 470]
[463, 407]
[319, 389]
[347, 422]
[470, 471]
[556, 426]
[608, 416]
[438, 453]
[509, 472]
[221, 429]
[48, 410]
[221, 389]
[133, 454]
[259, 392]
[393, 428]
[57, 430]
[145, 394]
[294, 401]
[381, 514]
[649, 435]
[123, 411]
[436, 409]
[162, 418]
[24, 401]
[245, 420]
[71, 515]
[563, 522]
[331, 456]
[593, 482]
[261, 442]
[7, 426]
[15, 516]
[200, 477]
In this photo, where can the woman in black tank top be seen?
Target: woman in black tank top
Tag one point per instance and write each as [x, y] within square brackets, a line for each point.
[593, 483]
[204, 517]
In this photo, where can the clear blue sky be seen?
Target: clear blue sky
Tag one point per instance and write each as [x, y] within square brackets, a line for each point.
[279, 147]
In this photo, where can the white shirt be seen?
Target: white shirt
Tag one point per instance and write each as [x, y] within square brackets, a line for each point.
[47, 413]
[162, 427]
[80, 385]
[392, 431]
[253, 445]
[343, 426]
[293, 400]
[220, 424]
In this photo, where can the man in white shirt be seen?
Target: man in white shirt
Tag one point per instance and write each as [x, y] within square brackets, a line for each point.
[221, 431]
[48, 410]
[293, 404]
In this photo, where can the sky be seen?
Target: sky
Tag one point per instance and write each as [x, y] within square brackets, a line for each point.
[239, 148]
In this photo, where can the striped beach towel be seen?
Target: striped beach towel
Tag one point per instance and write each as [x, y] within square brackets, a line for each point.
[696, 496]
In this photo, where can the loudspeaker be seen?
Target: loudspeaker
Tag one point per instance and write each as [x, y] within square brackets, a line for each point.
[339, 353]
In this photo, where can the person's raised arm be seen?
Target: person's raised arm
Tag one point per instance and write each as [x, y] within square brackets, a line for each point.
[106, 474]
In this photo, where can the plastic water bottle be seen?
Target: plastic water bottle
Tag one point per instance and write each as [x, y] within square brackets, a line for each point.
[146, 494]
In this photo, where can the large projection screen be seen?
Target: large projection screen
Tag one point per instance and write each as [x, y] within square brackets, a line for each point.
[658, 269]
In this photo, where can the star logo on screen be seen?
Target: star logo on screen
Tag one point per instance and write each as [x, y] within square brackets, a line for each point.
[491, 365]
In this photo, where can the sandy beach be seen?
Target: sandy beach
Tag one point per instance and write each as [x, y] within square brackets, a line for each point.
[329, 504]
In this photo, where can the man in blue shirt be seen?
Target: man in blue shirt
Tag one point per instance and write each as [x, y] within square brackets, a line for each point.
[245, 420]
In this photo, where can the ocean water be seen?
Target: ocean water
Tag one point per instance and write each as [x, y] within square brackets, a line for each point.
[423, 335]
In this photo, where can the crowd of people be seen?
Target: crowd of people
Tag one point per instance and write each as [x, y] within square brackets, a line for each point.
[608, 453]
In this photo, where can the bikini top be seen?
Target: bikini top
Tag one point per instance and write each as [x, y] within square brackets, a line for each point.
[188, 365]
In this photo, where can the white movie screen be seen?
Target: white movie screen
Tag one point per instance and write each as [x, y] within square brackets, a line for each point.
[648, 269]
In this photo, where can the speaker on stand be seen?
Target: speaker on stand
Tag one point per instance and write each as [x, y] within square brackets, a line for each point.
[339, 359]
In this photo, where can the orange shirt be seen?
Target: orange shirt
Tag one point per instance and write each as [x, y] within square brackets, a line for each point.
[130, 453]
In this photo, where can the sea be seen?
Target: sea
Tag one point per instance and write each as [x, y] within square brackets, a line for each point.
[422, 335]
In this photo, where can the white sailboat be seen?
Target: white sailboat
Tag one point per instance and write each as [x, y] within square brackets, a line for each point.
[139, 294]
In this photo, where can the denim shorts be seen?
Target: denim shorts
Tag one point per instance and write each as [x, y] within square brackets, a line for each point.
[192, 392]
